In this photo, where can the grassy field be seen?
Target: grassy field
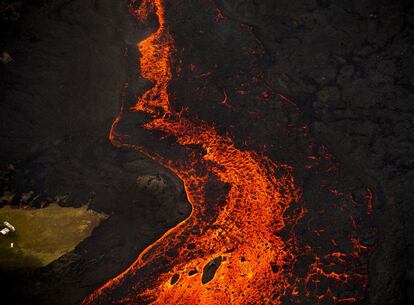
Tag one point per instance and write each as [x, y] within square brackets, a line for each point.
[43, 235]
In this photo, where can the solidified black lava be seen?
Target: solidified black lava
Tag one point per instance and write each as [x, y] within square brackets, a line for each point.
[348, 65]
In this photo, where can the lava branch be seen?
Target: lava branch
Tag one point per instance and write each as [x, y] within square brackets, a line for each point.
[242, 234]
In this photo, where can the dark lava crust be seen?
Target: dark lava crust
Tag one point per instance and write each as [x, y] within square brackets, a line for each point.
[347, 64]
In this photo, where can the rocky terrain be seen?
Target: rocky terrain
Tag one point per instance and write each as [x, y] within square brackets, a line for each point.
[348, 66]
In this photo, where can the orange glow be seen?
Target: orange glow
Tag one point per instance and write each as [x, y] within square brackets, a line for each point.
[245, 230]
[242, 227]
[155, 60]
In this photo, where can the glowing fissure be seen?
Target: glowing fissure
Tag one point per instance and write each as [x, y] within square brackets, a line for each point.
[243, 228]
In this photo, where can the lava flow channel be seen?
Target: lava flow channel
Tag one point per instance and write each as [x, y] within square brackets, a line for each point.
[235, 233]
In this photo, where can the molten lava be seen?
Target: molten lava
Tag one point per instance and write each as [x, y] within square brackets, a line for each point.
[229, 250]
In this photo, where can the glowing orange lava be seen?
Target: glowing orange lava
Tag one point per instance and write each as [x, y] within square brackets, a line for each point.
[238, 230]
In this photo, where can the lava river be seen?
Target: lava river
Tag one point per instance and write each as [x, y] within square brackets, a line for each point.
[228, 251]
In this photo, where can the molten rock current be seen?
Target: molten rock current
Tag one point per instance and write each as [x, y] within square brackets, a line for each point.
[245, 152]
[240, 243]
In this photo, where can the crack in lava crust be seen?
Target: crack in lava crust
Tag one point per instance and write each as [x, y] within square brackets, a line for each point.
[239, 226]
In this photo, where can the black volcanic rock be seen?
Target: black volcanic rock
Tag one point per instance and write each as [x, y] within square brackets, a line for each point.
[348, 65]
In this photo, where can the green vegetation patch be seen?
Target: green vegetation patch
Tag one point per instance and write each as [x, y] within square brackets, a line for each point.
[43, 235]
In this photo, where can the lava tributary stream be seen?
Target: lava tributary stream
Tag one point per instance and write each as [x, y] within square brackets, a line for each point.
[232, 235]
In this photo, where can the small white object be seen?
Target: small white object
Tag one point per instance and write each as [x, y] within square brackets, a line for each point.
[11, 245]
[7, 229]
[4, 231]
[7, 224]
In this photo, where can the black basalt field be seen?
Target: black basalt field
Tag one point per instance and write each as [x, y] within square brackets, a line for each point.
[314, 97]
